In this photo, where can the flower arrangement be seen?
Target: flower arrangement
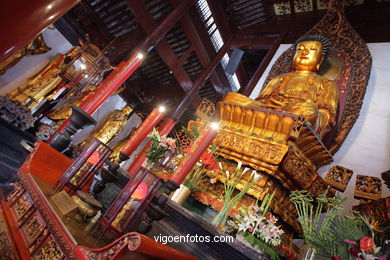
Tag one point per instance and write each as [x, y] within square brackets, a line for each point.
[257, 226]
[206, 162]
[159, 146]
[337, 236]
[230, 185]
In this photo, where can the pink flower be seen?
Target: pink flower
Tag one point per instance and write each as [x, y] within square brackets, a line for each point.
[350, 242]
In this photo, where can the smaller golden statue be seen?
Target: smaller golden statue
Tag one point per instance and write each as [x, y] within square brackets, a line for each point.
[302, 92]
[116, 150]
[111, 127]
[75, 99]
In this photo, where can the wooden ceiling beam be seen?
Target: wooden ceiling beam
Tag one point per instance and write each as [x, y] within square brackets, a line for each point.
[254, 43]
[247, 90]
[145, 19]
[197, 35]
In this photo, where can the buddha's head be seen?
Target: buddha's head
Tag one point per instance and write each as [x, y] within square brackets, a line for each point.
[310, 52]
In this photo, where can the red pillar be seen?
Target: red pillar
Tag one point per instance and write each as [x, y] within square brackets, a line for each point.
[22, 21]
[143, 130]
[163, 129]
[197, 149]
[107, 87]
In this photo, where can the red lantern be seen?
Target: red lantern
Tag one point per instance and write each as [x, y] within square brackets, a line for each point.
[94, 158]
[141, 191]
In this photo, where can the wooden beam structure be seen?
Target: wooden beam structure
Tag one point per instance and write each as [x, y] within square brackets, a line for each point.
[146, 20]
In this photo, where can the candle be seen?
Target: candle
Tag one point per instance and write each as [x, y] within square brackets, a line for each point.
[197, 149]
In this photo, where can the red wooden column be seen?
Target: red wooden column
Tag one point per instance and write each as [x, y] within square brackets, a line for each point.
[22, 21]
[143, 130]
[163, 129]
[111, 83]
[197, 149]
[108, 87]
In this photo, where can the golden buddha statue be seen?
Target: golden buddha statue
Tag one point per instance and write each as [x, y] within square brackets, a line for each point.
[35, 90]
[302, 92]
[75, 99]
[111, 127]
[270, 135]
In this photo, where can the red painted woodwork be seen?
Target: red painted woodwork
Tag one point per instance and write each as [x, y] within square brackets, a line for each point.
[17, 240]
[37, 203]
[197, 149]
[143, 130]
[22, 21]
[111, 84]
[137, 247]
[46, 163]
[165, 51]
[163, 129]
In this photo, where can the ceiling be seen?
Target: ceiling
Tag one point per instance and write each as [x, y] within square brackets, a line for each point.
[170, 69]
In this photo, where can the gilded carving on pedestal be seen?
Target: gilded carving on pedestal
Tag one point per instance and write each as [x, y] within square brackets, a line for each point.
[206, 110]
[338, 177]
[49, 250]
[368, 187]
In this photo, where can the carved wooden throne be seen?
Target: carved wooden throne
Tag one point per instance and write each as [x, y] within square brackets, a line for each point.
[282, 146]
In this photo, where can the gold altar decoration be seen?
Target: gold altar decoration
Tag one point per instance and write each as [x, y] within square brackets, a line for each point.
[368, 187]
[36, 46]
[111, 127]
[206, 110]
[338, 177]
[117, 223]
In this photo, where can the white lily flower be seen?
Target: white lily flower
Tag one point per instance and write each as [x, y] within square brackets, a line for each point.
[257, 176]
[199, 163]
[245, 170]
[220, 165]
[227, 174]
[239, 165]
[253, 173]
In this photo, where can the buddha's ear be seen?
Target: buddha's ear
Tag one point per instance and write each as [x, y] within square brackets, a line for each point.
[319, 64]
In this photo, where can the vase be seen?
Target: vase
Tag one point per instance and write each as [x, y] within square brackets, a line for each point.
[149, 164]
[220, 219]
[181, 195]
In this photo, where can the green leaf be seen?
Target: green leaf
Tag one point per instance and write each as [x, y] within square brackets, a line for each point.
[195, 131]
[376, 250]
[185, 130]
[264, 247]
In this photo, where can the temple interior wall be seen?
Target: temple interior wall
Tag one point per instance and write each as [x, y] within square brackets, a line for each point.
[366, 150]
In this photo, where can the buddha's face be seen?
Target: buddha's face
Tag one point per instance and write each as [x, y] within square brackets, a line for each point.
[308, 56]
